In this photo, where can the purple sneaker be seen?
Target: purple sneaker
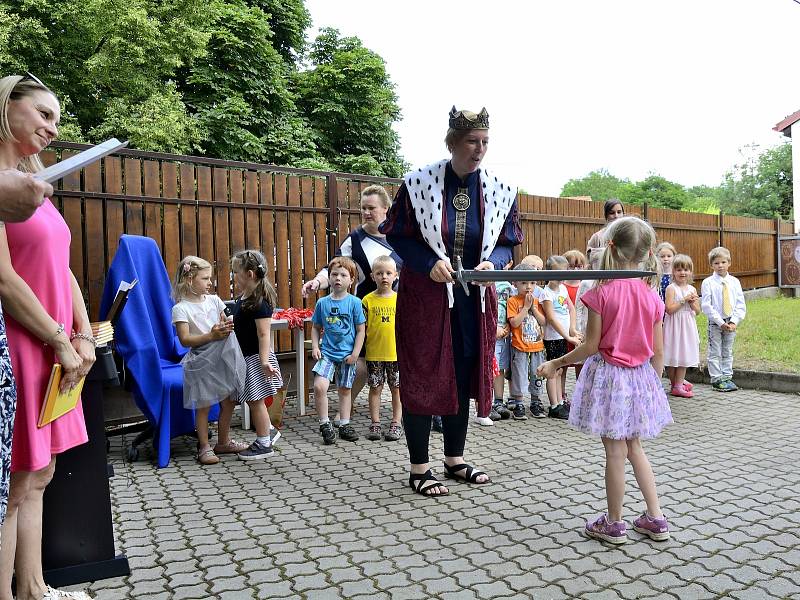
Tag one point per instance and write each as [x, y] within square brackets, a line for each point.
[655, 529]
[602, 529]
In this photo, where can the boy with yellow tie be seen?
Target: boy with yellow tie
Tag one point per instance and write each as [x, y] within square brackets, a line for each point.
[723, 303]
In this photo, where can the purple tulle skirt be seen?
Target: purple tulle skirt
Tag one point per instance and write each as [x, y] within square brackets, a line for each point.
[620, 403]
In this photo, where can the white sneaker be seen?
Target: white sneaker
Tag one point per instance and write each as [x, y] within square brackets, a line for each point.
[54, 594]
[485, 421]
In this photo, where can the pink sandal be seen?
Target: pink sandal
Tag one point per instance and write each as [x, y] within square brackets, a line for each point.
[232, 447]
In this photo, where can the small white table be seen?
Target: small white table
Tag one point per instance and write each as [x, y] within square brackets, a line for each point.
[299, 365]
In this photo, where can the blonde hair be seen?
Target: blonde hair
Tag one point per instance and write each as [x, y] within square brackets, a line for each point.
[631, 240]
[188, 268]
[556, 260]
[532, 259]
[377, 190]
[666, 246]
[683, 261]
[384, 260]
[253, 260]
[454, 136]
[719, 252]
[575, 256]
[16, 87]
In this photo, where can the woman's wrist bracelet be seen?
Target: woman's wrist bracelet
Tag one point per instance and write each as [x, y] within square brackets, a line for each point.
[58, 332]
[83, 336]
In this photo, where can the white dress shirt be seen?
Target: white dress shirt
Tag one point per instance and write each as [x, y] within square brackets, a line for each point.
[711, 298]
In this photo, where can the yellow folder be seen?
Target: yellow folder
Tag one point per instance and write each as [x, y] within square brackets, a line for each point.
[57, 403]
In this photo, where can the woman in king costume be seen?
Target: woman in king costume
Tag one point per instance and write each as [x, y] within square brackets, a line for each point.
[445, 338]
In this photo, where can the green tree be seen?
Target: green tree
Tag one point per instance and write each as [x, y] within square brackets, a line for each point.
[105, 57]
[221, 77]
[350, 103]
[239, 91]
[656, 191]
[600, 185]
[761, 186]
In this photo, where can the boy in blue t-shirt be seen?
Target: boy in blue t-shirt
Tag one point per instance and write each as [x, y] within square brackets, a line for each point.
[340, 322]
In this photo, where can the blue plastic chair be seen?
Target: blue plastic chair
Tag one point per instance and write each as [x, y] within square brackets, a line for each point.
[147, 341]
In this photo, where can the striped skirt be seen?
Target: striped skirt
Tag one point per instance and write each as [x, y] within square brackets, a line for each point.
[257, 385]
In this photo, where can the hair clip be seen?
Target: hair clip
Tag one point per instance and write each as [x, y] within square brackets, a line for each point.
[187, 267]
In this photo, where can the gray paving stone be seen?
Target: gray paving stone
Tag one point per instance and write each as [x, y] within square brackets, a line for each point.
[340, 521]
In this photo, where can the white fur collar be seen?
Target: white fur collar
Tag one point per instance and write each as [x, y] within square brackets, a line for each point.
[426, 192]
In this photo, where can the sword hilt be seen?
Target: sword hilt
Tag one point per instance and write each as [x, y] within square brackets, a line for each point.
[458, 274]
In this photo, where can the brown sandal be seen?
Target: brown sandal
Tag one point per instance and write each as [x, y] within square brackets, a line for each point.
[207, 457]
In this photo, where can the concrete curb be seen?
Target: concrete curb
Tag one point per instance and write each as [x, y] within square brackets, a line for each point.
[787, 383]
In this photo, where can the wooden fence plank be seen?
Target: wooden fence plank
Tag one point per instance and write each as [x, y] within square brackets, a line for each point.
[222, 233]
[205, 216]
[295, 243]
[308, 245]
[281, 253]
[96, 259]
[252, 217]
[172, 217]
[188, 213]
[152, 210]
[134, 222]
[115, 210]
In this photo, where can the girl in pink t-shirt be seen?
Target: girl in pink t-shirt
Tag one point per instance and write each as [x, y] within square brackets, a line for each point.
[618, 395]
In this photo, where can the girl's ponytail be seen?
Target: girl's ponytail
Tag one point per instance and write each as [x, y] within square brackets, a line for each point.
[631, 240]
[253, 260]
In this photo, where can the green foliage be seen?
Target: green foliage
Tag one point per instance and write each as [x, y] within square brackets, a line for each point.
[350, 103]
[220, 77]
[600, 185]
[761, 186]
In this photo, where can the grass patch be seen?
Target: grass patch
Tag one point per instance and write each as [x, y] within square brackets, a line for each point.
[767, 340]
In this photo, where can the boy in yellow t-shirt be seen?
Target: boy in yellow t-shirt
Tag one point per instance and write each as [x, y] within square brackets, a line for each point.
[381, 349]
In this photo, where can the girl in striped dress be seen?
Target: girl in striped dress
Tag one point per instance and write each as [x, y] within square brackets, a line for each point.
[252, 319]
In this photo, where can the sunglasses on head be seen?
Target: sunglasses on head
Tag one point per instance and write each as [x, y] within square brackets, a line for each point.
[31, 77]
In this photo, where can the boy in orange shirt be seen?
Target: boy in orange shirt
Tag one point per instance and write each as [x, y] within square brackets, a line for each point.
[527, 346]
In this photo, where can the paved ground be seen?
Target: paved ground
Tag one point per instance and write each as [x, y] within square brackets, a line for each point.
[340, 522]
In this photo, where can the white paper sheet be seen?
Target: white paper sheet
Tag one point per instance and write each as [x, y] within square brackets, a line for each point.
[65, 167]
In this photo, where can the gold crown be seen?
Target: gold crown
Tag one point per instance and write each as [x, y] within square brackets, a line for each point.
[464, 119]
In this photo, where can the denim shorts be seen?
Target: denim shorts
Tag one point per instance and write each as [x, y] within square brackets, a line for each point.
[502, 352]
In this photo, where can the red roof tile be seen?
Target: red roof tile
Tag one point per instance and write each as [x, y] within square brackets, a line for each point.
[786, 123]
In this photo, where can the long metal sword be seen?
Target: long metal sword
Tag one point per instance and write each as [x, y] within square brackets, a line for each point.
[465, 276]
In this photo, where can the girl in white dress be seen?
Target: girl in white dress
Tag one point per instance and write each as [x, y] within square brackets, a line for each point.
[681, 340]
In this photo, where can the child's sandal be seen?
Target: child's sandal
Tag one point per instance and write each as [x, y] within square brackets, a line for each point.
[470, 475]
[424, 484]
[207, 457]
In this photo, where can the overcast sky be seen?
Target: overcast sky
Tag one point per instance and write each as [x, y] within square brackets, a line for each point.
[674, 87]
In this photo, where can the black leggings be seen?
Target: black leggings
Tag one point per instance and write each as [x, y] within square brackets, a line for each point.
[418, 427]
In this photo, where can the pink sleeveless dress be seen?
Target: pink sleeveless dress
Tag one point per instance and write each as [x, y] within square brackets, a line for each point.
[39, 250]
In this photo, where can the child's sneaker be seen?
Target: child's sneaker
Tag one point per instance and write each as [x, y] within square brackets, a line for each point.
[394, 433]
[502, 410]
[687, 386]
[256, 451]
[347, 432]
[274, 436]
[494, 415]
[519, 412]
[485, 421]
[602, 529]
[655, 529]
[537, 410]
[327, 432]
[375, 432]
[558, 412]
[730, 386]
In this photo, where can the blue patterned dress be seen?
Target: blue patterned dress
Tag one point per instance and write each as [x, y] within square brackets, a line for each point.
[8, 405]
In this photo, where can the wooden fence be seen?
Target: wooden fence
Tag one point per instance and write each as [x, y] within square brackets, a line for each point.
[211, 208]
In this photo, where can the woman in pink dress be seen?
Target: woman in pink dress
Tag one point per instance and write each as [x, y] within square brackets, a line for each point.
[46, 323]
